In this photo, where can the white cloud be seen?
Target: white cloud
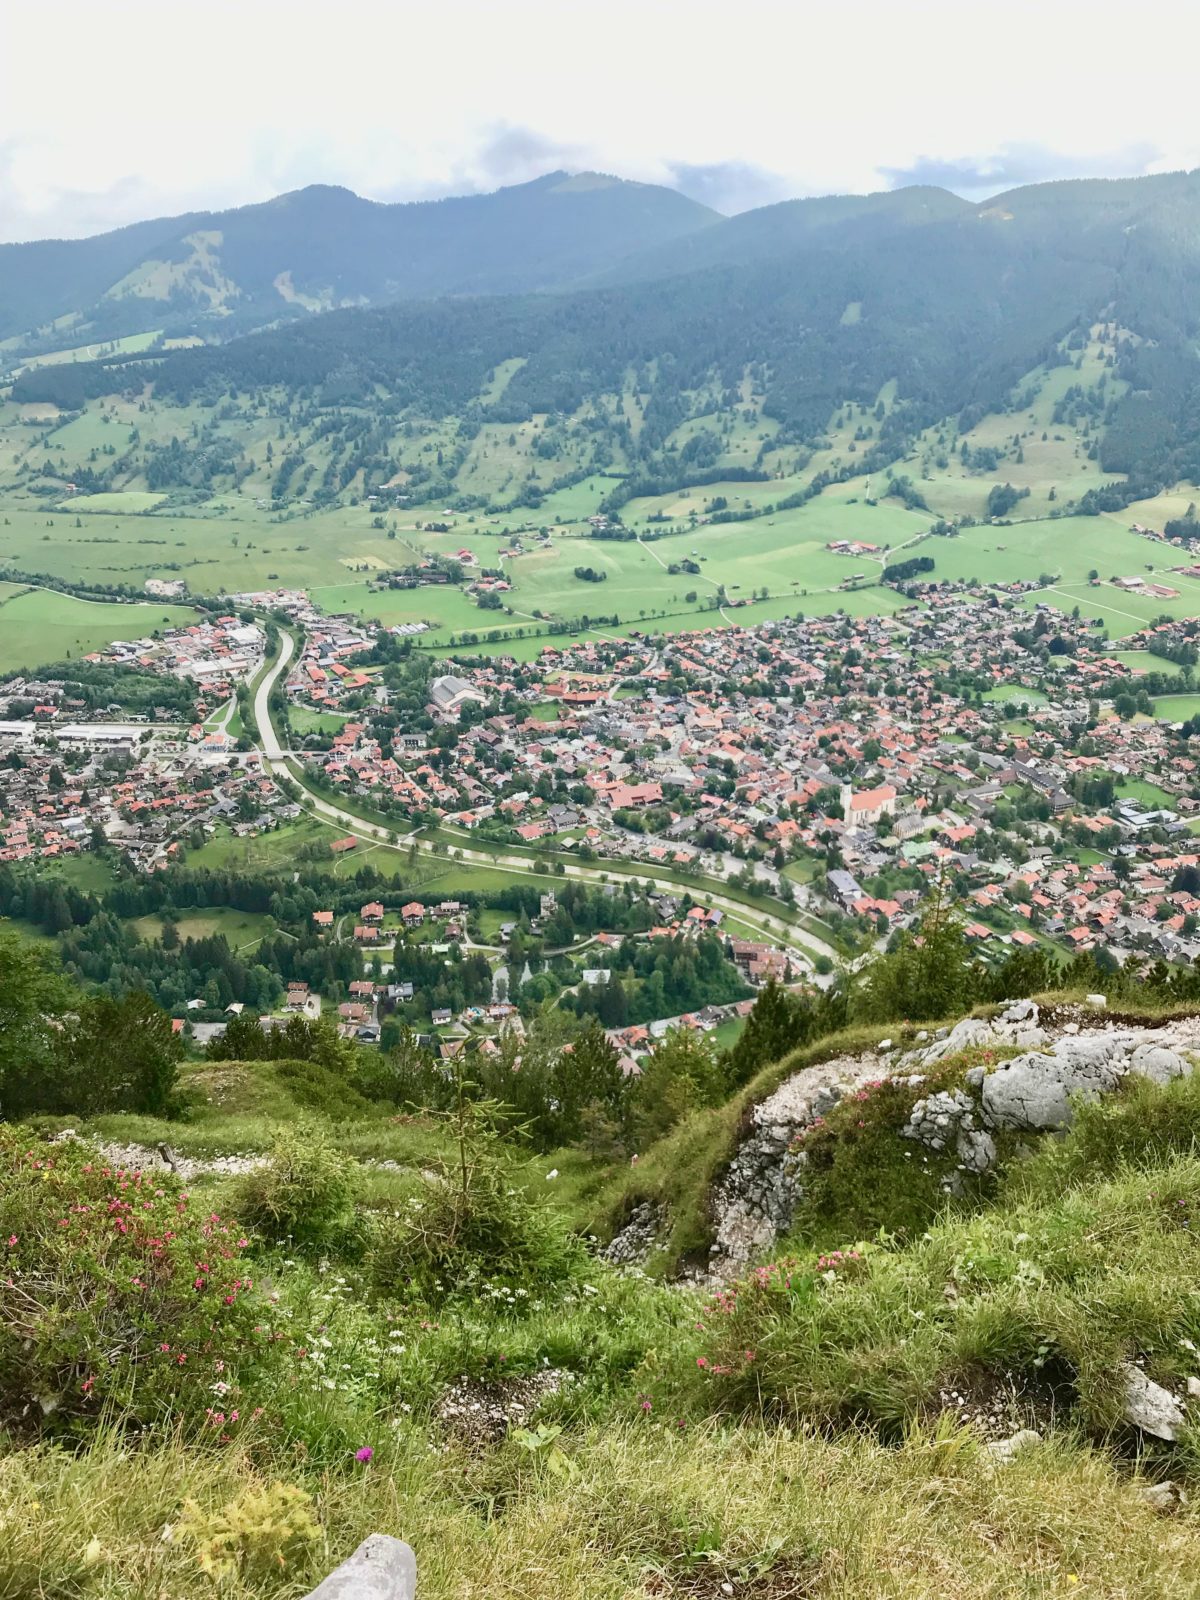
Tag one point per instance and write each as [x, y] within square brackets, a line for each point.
[110, 114]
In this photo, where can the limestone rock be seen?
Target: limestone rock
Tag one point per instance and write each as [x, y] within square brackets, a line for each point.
[970, 1031]
[382, 1568]
[1033, 1092]
[1003, 1450]
[1158, 1063]
[1162, 1496]
[634, 1242]
[1150, 1407]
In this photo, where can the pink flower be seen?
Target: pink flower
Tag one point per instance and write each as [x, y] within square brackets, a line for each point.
[364, 1454]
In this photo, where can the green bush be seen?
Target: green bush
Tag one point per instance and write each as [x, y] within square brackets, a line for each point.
[304, 1193]
[475, 1231]
[120, 1294]
[860, 1175]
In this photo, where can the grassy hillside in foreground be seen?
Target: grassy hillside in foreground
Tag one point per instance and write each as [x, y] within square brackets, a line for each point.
[810, 1432]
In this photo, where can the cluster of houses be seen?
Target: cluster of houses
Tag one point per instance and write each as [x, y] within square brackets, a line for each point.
[773, 745]
[215, 654]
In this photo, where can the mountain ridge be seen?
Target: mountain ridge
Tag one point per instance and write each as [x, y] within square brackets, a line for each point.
[218, 272]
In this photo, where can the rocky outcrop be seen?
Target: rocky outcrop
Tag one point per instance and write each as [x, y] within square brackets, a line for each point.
[756, 1198]
[1032, 1092]
[631, 1246]
[1035, 1092]
[949, 1120]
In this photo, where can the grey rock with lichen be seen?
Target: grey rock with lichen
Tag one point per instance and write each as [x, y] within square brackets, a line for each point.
[634, 1242]
[1150, 1407]
[382, 1568]
[1158, 1063]
[1034, 1092]
[952, 1116]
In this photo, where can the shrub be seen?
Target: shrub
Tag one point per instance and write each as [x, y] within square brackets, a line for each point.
[303, 1193]
[860, 1175]
[118, 1289]
[263, 1532]
[475, 1228]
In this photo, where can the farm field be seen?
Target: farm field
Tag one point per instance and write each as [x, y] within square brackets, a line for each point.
[1068, 547]
[41, 625]
[235, 540]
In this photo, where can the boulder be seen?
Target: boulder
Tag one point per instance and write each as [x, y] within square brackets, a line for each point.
[1163, 1496]
[382, 1568]
[1020, 1011]
[971, 1030]
[1003, 1450]
[1098, 1002]
[1150, 1407]
[1033, 1092]
[1158, 1063]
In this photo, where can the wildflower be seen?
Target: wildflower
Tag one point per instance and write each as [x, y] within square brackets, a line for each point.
[364, 1454]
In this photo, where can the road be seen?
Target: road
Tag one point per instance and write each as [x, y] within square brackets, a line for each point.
[271, 746]
[798, 942]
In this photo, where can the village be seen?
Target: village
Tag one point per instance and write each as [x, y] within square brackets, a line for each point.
[845, 769]
[845, 766]
[75, 774]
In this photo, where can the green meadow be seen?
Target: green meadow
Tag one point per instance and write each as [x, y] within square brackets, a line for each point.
[1177, 707]
[41, 625]
[242, 929]
[240, 539]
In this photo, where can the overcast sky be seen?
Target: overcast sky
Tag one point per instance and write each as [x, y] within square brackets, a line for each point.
[111, 113]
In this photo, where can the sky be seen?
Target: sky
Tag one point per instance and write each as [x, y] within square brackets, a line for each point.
[113, 113]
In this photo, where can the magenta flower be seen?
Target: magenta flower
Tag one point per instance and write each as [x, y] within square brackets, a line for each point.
[364, 1454]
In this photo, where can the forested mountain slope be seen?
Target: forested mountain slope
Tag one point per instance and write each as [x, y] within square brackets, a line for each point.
[768, 321]
[321, 247]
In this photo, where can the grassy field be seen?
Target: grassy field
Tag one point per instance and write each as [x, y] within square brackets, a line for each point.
[41, 625]
[1148, 793]
[242, 929]
[87, 871]
[1014, 694]
[1177, 707]
[303, 719]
